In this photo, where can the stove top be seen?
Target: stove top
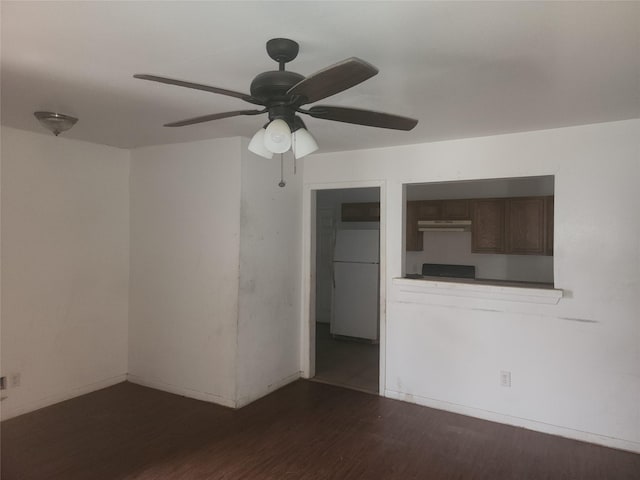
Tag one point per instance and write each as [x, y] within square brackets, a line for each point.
[447, 270]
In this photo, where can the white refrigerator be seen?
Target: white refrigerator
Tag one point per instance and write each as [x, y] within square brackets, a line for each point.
[356, 258]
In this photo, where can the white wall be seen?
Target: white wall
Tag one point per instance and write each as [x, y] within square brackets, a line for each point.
[185, 237]
[269, 291]
[575, 365]
[65, 254]
[103, 247]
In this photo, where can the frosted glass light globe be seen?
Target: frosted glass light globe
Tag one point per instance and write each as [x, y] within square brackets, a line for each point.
[256, 145]
[277, 137]
[303, 143]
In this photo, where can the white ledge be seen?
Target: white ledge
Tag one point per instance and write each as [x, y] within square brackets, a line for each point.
[462, 288]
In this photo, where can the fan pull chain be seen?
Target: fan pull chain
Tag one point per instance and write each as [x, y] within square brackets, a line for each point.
[282, 183]
[293, 149]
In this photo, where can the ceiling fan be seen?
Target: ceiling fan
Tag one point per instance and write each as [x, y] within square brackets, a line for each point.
[283, 93]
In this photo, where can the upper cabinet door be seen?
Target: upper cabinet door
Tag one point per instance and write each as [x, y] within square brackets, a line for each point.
[526, 233]
[443, 209]
[429, 209]
[361, 212]
[488, 223]
[414, 238]
[549, 225]
[455, 210]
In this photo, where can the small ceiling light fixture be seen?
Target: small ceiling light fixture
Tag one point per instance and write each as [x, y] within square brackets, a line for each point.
[55, 122]
[280, 135]
[302, 142]
[277, 136]
[256, 145]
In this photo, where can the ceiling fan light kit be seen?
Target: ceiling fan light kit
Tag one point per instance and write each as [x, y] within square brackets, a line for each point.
[257, 146]
[277, 136]
[303, 143]
[282, 94]
[56, 123]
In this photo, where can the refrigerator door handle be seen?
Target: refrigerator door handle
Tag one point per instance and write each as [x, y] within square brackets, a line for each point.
[333, 275]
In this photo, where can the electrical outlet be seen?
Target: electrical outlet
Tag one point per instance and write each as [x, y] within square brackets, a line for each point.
[15, 380]
[505, 378]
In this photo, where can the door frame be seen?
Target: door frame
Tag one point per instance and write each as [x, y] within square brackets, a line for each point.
[308, 313]
[319, 212]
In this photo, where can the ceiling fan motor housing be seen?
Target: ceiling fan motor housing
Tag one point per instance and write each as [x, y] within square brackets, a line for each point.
[271, 87]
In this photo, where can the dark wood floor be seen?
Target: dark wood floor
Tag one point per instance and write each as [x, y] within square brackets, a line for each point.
[306, 430]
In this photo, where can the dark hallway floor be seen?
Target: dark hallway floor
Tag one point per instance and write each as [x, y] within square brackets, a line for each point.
[346, 363]
[305, 430]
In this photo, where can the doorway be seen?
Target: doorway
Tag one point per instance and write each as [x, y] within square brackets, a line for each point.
[347, 288]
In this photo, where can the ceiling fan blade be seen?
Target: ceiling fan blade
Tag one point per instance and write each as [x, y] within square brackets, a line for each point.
[333, 79]
[213, 116]
[362, 117]
[197, 86]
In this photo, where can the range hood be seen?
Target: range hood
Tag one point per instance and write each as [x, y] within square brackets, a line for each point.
[444, 225]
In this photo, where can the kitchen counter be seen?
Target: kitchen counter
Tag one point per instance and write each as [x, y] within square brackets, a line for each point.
[413, 288]
[481, 281]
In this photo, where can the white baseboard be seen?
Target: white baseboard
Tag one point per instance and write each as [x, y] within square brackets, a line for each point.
[185, 392]
[534, 425]
[246, 400]
[10, 411]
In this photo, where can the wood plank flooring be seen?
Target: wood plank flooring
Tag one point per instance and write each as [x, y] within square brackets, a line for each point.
[305, 430]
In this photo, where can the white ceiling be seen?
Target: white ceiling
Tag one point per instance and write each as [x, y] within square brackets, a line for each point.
[463, 69]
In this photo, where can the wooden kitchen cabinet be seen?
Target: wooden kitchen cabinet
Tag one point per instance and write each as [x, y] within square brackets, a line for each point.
[361, 212]
[526, 232]
[488, 225]
[443, 210]
[432, 210]
[428, 209]
[455, 210]
[414, 238]
[516, 225]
